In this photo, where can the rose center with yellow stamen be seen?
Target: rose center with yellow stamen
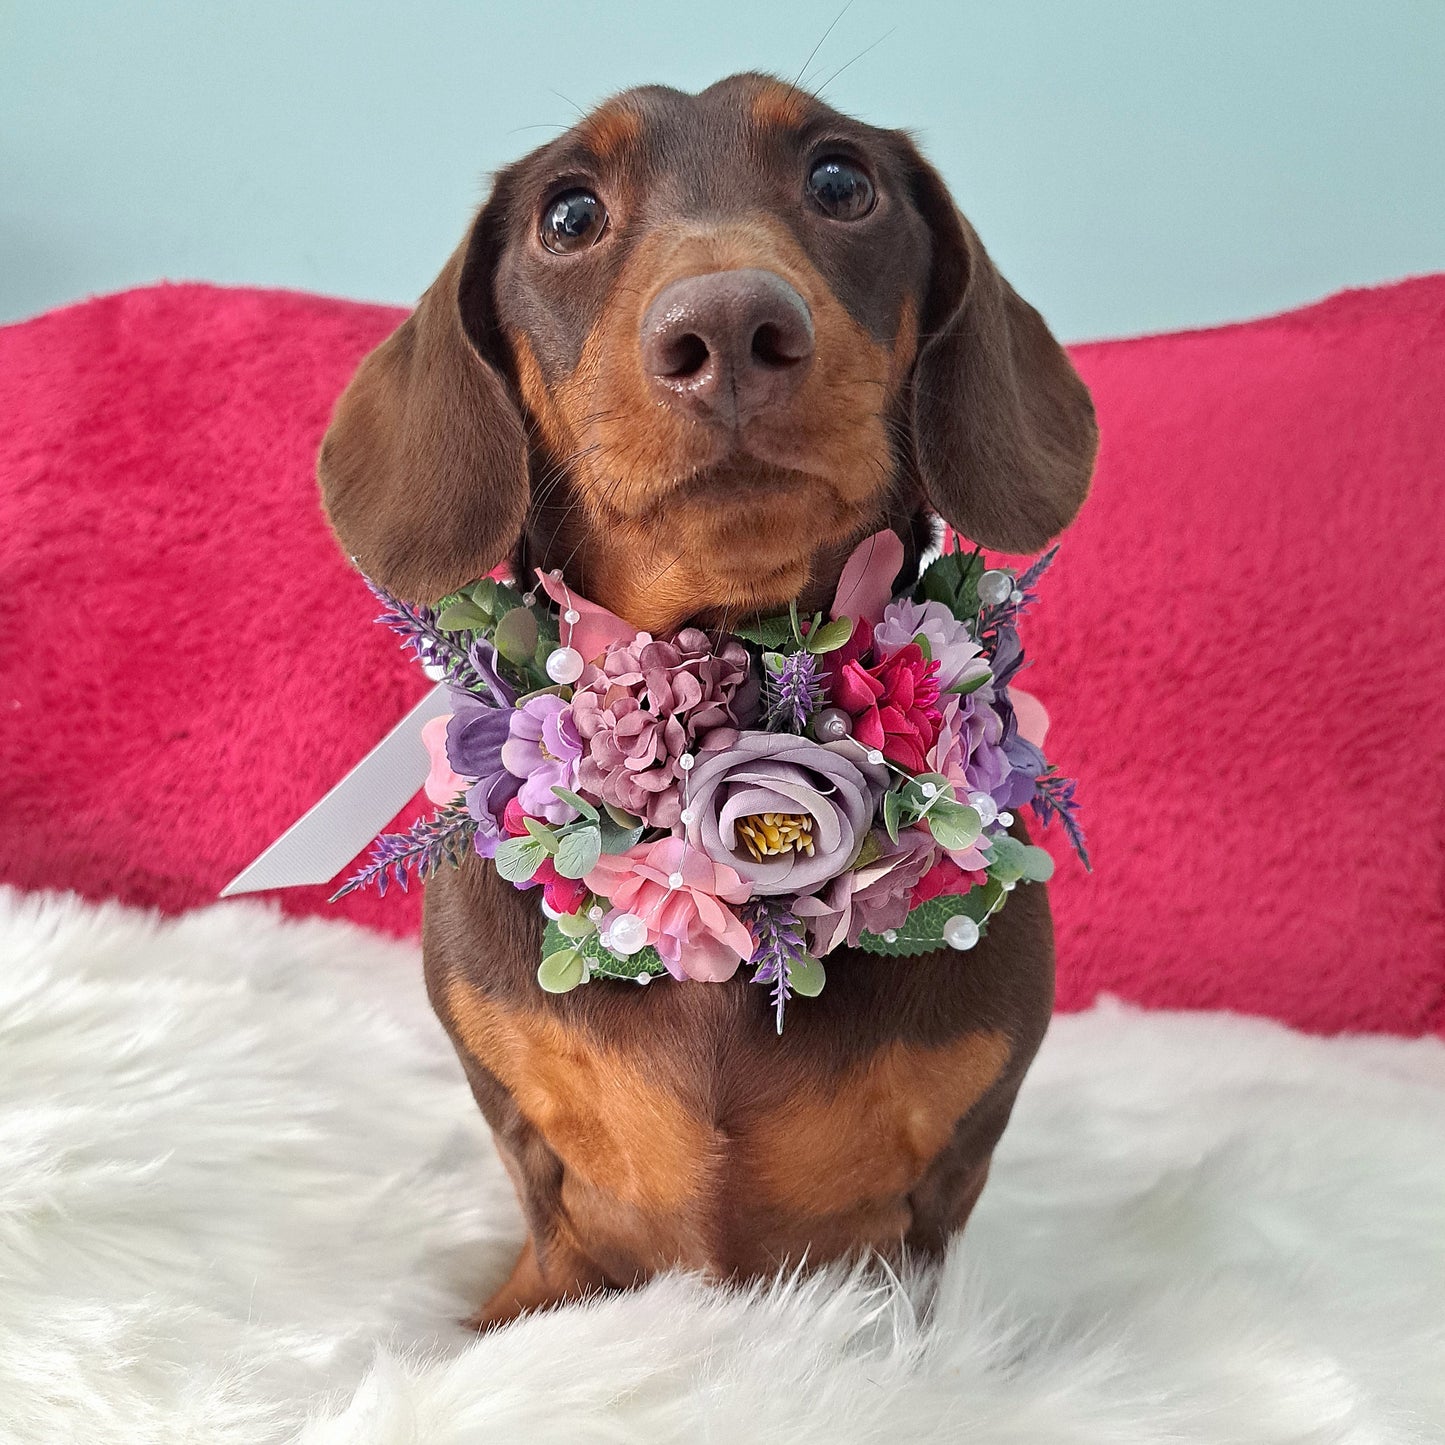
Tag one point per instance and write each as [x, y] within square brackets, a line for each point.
[765, 835]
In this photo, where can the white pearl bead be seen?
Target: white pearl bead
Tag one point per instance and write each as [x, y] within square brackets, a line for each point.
[674, 880]
[994, 587]
[1006, 819]
[984, 805]
[687, 816]
[529, 599]
[571, 615]
[595, 913]
[1016, 596]
[890, 935]
[555, 572]
[627, 934]
[875, 757]
[929, 790]
[548, 911]
[565, 665]
[685, 762]
[644, 978]
[960, 932]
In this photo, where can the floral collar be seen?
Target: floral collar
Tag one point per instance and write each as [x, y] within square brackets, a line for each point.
[691, 804]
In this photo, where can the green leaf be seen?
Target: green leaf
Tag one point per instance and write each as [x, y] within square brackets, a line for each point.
[962, 689]
[574, 925]
[922, 643]
[463, 616]
[542, 833]
[922, 930]
[767, 632]
[918, 801]
[519, 858]
[484, 595]
[516, 636]
[1038, 866]
[615, 837]
[953, 580]
[806, 976]
[1007, 859]
[562, 971]
[774, 661]
[573, 801]
[892, 810]
[954, 825]
[604, 963]
[577, 852]
[831, 635]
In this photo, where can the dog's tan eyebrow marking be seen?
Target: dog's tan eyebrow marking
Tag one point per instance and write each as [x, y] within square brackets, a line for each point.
[610, 131]
[781, 106]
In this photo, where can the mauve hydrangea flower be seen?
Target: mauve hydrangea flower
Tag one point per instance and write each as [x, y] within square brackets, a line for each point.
[960, 659]
[647, 704]
[542, 750]
[818, 802]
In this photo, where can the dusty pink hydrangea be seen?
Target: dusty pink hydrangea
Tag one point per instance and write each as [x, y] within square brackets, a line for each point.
[647, 704]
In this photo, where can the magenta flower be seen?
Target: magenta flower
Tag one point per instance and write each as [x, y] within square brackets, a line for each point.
[542, 750]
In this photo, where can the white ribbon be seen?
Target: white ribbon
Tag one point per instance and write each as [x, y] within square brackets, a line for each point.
[316, 847]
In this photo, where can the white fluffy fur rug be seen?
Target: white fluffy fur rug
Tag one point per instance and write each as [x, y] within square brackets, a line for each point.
[244, 1195]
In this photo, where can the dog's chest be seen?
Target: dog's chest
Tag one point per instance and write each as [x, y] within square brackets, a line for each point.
[686, 1139]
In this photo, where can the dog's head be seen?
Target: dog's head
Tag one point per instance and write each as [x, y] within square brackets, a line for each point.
[692, 351]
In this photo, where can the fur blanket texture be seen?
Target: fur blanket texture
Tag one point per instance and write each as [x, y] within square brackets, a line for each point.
[246, 1196]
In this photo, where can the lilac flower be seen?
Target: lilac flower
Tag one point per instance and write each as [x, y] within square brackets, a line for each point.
[960, 659]
[795, 693]
[542, 751]
[874, 896]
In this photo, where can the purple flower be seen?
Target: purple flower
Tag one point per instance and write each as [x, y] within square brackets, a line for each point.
[786, 813]
[542, 751]
[795, 692]
[875, 896]
[476, 733]
[960, 659]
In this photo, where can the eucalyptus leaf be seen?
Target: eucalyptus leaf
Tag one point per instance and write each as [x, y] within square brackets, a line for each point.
[604, 963]
[962, 689]
[577, 852]
[1007, 859]
[806, 976]
[517, 859]
[484, 595]
[922, 643]
[831, 635]
[562, 971]
[574, 925]
[544, 835]
[954, 825]
[574, 801]
[1038, 866]
[516, 636]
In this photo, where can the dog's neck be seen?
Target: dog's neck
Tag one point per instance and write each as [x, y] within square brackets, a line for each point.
[626, 571]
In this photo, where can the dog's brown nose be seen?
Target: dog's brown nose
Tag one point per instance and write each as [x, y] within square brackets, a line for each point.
[729, 344]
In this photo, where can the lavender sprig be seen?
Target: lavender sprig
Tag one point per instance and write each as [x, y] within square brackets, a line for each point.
[779, 945]
[425, 846]
[1054, 798]
[794, 693]
[1006, 614]
[416, 624]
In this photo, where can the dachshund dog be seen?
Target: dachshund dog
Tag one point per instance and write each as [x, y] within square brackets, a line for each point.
[690, 353]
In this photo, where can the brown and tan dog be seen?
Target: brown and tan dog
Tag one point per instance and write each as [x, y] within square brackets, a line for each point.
[691, 352]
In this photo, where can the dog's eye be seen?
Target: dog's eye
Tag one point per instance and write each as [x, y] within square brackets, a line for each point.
[573, 221]
[841, 189]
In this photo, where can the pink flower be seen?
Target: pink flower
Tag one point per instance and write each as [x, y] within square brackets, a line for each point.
[680, 894]
[893, 704]
[875, 896]
[442, 784]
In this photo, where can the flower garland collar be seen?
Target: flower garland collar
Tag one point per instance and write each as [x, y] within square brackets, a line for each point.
[692, 804]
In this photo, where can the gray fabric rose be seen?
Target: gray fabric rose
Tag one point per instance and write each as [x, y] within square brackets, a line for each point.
[787, 813]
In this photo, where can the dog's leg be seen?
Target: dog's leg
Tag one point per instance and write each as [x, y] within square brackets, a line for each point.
[529, 1289]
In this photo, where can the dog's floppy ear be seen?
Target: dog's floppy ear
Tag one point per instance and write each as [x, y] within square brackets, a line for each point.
[1003, 427]
[424, 469]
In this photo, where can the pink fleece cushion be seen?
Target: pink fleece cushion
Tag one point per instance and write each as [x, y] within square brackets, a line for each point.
[1241, 645]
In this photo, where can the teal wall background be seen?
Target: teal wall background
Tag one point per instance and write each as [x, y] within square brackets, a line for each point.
[1132, 164]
